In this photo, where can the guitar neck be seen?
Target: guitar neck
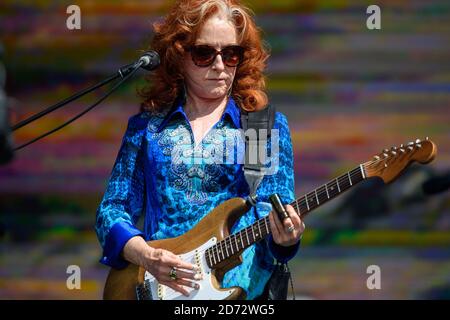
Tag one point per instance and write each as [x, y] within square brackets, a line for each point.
[314, 199]
[237, 242]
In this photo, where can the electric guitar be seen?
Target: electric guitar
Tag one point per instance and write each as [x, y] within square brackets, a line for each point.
[211, 247]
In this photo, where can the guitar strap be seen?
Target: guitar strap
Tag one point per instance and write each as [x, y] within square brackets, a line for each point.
[254, 170]
[254, 166]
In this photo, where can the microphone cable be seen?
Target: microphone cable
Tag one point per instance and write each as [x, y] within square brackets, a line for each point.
[135, 68]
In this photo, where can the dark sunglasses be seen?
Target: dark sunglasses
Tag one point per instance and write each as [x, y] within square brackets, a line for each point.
[204, 55]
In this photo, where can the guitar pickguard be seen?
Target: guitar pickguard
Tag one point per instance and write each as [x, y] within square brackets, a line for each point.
[207, 290]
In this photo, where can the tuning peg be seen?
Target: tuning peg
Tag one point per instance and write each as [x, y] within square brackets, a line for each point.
[401, 146]
[385, 165]
[402, 150]
[410, 148]
[394, 148]
[385, 155]
[426, 138]
[376, 158]
[419, 145]
[394, 153]
[410, 143]
[418, 141]
[385, 150]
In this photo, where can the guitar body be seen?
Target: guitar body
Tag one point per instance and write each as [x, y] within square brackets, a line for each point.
[122, 284]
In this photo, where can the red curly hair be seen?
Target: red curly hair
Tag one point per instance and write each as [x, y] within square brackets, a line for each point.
[180, 29]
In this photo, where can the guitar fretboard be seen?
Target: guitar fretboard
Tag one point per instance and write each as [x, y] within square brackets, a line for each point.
[237, 242]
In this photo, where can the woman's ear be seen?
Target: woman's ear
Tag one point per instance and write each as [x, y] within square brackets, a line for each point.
[179, 47]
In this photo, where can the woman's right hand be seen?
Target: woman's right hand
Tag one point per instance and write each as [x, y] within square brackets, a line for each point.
[160, 262]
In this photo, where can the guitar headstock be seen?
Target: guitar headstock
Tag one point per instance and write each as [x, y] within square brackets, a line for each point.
[389, 163]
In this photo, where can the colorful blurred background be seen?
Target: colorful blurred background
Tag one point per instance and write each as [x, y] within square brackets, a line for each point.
[348, 93]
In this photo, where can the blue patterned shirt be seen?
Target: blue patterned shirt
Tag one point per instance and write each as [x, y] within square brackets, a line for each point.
[162, 175]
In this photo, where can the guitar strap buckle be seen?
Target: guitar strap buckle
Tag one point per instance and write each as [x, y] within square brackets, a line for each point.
[261, 123]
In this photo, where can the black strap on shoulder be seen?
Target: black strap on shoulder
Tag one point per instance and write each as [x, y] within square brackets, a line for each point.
[257, 128]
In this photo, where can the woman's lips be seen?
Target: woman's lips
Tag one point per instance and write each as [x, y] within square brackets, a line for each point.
[222, 81]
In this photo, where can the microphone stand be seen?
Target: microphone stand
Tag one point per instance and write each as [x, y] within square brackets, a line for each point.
[125, 73]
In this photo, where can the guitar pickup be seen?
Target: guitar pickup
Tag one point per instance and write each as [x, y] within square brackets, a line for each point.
[161, 291]
[198, 262]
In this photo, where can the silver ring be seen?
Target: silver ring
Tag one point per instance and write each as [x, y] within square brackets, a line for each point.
[291, 228]
[173, 274]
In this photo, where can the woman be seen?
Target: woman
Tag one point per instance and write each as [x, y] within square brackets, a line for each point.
[212, 61]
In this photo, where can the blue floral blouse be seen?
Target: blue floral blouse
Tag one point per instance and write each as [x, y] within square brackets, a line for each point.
[162, 176]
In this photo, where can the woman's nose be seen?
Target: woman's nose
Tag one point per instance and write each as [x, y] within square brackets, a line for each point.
[218, 63]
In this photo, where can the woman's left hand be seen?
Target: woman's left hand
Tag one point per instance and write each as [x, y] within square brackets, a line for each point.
[282, 232]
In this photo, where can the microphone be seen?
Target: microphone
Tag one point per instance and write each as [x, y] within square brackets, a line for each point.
[150, 60]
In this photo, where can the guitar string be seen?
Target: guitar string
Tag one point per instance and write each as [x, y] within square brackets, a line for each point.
[263, 222]
[248, 230]
[228, 241]
[300, 202]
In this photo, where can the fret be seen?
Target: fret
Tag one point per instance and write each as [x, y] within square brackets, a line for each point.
[312, 203]
[299, 206]
[267, 227]
[221, 250]
[217, 253]
[259, 228]
[333, 189]
[322, 194]
[233, 240]
[214, 257]
[239, 236]
[304, 206]
[344, 183]
[349, 178]
[359, 175]
[337, 183]
[296, 204]
[317, 198]
[306, 200]
[253, 233]
[248, 240]
[210, 259]
[362, 171]
[231, 244]
[326, 188]
[347, 183]
[226, 247]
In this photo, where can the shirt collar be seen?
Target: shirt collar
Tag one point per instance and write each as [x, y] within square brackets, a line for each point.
[231, 110]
